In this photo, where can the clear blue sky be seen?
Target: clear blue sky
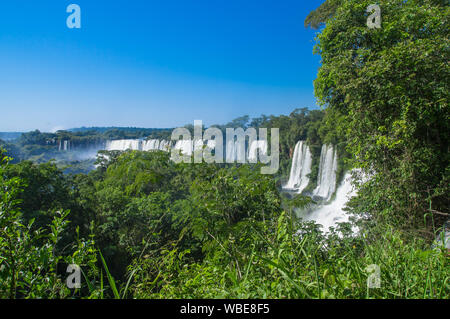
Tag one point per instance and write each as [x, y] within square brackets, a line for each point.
[153, 63]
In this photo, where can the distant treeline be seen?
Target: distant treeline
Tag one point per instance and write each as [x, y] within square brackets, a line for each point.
[301, 124]
[112, 130]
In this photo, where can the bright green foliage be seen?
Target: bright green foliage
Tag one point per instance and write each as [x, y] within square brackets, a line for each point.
[169, 230]
[392, 86]
[45, 190]
[324, 12]
[29, 257]
[279, 264]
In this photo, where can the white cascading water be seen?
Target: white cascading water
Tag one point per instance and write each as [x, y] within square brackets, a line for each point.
[185, 146]
[260, 145]
[326, 214]
[326, 181]
[164, 145]
[150, 145]
[123, 145]
[300, 168]
[64, 146]
[332, 213]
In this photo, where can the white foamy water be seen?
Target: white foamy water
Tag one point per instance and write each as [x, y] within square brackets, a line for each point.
[326, 213]
[329, 215]
[123, 145]
[300, 168]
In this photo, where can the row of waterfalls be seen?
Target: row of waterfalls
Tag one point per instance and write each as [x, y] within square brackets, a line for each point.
[233, 151]
[137, 145]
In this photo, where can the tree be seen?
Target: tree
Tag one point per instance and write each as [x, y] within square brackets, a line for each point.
[45, 189]
[391, 84]
[29, 257]
[319, 16]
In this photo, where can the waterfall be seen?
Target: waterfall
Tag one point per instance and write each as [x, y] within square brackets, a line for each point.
[185, 146]
[260, 145]
[164, 145]
[443, 238]
[138, 145]
[64, 146]
[300, 168]
[188, 146]
[326, 180]
[150, 145]
[123, 145]
[326, 214]
[332, 213]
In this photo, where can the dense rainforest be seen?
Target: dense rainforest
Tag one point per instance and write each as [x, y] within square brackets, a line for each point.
[141, 226]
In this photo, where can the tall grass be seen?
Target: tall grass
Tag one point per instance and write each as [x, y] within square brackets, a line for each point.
[306, 264]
